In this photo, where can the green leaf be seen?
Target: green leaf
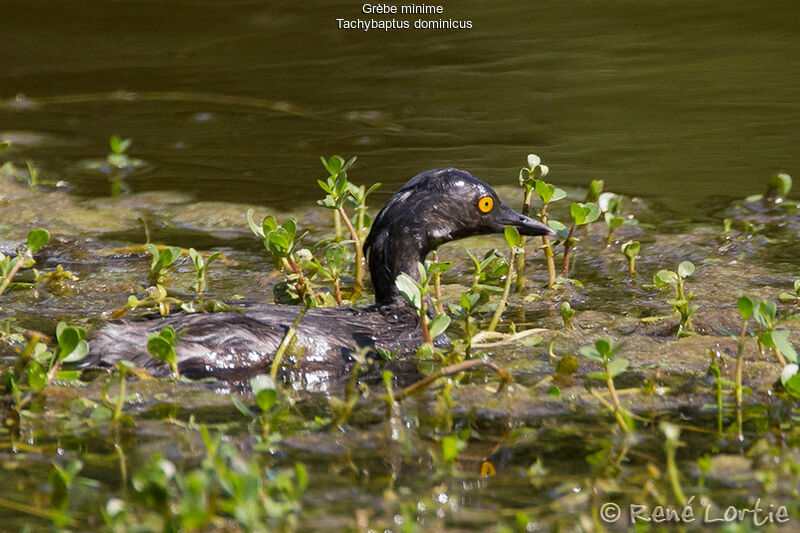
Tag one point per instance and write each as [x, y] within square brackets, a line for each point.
[60, 328]
[37, 376]
[469, 300]
[37, 239]
[545, 191]
[793, 385]
[161, 349]
[246, 411]
[409, 289]
[152, 249]
[781, 340]
[269, 224]
[197, 260]
[631, 249]
[665, 277]
[290, 226]
[68, 340]
[617, 367]
[266, 399]
[559, 228]
[685, 269]
[781, 184]
[450, 447]
[746, 306]
[264, 388]
[512, 236]
[301, 476]
[595, 189]
[597, 375]
[441, 266]
[255, 228]
[5, 145]
[114, 143]
[613, 221]
[438, 325]
[603, 347]
[81, 350]
[168, 334]
[68, 375]
[590, 352]
[584, 213]
[557, 195]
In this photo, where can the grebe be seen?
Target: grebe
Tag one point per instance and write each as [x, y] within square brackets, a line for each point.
[434, 207]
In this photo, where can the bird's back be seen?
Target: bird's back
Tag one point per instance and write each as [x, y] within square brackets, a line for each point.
[233, 345]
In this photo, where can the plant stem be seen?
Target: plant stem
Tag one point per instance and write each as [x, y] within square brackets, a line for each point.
[467, 335]
[501, 306]
[359, 274]
[423, 322]
[449, 371]
[615, 400]
[337, 291]
[739, 365]
[337, 225]
[672, 471]
[21, 259]
[520, 257]
[302, 286]
[437, 285]
[121, 395]
[780, 357]
[568, 247]
[548, 254]
[276, 362]
[718, 392]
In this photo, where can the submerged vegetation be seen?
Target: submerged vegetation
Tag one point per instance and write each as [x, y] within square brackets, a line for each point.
[406, 442]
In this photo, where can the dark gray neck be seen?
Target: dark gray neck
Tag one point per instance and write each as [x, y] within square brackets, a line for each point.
[389, 255]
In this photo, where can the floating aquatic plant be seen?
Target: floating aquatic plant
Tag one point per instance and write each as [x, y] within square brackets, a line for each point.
[682, 302]
[567, 315]
[514, 241]
[9, 266]
[532, 178]
[582, 214]
[200, 266]
[778, 189]
[161, 346]
[603, 352]
[416, 294]
[529, 175]
[163, 259]
[339, 190]
[284, 245]
[332, 269]
[631, 251]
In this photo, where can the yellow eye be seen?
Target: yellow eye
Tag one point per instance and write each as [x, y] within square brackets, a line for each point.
[486, 204]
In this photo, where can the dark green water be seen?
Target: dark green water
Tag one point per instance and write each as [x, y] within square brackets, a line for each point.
[678, 100]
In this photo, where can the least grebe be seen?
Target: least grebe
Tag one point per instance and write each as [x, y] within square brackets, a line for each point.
[433, 208]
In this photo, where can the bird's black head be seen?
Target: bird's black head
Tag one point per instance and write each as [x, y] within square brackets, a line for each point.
[433, 208]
